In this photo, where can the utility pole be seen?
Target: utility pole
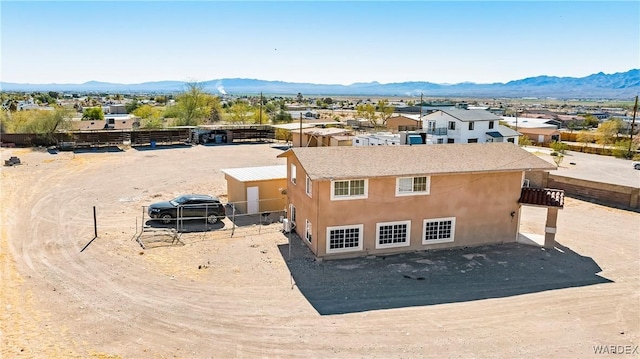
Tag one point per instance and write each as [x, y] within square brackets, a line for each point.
[261, 108]
[633, 124]
[420, 122]
[300, 129]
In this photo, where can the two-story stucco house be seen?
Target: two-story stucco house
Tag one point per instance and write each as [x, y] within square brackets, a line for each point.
[372, 200]
[459, 125]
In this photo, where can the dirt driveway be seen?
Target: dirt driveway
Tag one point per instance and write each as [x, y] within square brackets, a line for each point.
[216, 296]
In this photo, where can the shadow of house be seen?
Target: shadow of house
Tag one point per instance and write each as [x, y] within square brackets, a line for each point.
[435, 277]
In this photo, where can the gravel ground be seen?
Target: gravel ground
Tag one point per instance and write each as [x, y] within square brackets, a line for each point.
[213, 295]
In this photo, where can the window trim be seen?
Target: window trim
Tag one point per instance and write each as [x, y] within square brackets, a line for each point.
[452, 125]
[308, 229]
[471, 125]
[491, 125]
[393, 245]
[343, 250]
[413, 193]
[308, 186]
[350, 197]
[440, 240]
[293, 173]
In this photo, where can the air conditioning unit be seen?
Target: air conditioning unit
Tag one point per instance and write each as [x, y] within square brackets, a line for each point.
[286, 225]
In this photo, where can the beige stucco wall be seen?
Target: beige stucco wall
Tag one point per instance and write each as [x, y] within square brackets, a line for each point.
[269, 192]
[481, 204]
[394, 122]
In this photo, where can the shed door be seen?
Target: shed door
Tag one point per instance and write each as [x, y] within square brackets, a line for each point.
[253, 206]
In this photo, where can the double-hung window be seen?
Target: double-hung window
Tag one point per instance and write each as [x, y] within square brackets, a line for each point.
[293, 173]
[349, 189]
[308, 186]
[411, 186]
[307, 230]
[438, 230]
[393, 234]
[344, 238]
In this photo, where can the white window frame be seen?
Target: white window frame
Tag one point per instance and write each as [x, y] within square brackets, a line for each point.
[412, 192]
[292, 213]
[360, 228]
[348, 197]
[307, 231]
[491, 125]
[293, 173]
[471, 125]
[308, 186]
[439, 240]
[393, 245]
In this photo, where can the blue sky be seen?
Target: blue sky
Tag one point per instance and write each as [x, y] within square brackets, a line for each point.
[329, 42]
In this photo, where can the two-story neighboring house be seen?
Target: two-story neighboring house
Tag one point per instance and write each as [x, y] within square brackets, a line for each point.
[372, 200]
[459, 125]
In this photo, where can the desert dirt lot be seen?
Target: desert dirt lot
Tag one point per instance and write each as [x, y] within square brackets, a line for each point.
[216, 296]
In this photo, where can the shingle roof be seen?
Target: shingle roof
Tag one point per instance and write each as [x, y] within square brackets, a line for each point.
[263, 173]
[542, 197]
[471, 115]
[323, 163]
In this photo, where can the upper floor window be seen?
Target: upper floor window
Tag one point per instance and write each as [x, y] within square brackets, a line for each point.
[490, 125]
[471, 124]
[452, 125]
[293, 173]
[407, 186]
[308, 186]
[349, 189]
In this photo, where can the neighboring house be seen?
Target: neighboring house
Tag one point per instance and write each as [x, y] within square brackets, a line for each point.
[403, 123]
[317, 137]
[527, 122]
[541, 136]
[375, 200]
[257, 189]
[458, 125]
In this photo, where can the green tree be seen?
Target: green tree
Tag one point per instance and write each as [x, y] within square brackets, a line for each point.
[282, 117]
[559, 147]
[144, 111]
[132, 106]
[590, 121]
[524, 141]
[385, 110]
[585, 137]
[93, 113]
[239, 113]
[608, 132]
[368, 112]
[193, 107]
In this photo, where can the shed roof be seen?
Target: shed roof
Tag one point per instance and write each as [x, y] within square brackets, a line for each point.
[263, 173]
[324, 163]
[325, 131]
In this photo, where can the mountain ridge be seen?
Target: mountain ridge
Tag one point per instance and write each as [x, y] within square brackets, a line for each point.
[599, 85]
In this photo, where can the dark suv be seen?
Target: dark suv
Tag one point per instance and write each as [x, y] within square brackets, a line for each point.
[190, 206]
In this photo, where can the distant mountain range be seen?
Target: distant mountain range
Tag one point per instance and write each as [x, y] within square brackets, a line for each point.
[622, 85]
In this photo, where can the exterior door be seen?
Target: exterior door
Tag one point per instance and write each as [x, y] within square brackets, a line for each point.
[253, 205]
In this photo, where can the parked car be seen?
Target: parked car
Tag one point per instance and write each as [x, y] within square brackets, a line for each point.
[189, 206]
[636, 165]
